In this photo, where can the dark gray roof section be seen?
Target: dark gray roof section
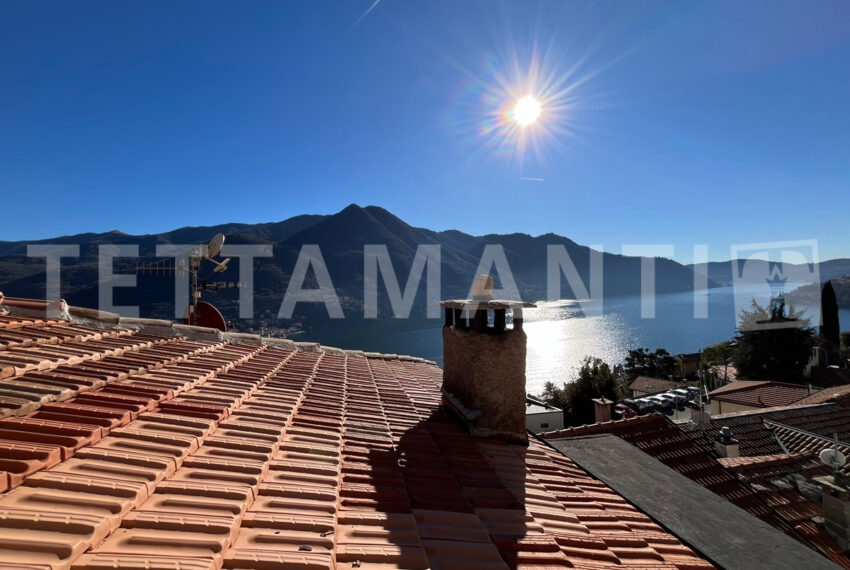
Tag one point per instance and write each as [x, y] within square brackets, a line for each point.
[718, 530]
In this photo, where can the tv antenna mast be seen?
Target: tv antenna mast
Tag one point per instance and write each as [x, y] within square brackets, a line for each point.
[196, 257]
[208, 315]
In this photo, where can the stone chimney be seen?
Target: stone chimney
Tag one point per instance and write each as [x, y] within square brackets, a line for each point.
[484, 364]
[602, 409]
[835, 497]
[726, 445]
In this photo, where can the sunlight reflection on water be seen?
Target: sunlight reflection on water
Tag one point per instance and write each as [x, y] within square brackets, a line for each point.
[560, 335]
[557, 342]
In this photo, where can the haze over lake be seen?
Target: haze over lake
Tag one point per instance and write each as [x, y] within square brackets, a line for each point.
[560, 336]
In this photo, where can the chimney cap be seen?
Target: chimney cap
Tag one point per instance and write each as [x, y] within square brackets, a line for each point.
[486, 304]
[726, 436]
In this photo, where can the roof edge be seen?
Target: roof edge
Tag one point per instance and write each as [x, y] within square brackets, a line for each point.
[166, 328]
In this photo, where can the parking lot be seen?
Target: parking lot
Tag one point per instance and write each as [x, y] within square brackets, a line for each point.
[676, 404]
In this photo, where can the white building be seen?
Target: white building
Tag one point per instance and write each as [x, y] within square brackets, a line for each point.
[540, 416]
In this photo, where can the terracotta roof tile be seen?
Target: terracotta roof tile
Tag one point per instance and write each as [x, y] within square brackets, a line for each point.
[737, 385]
[766, 467]
[756, 438]
[652, 385]
[836, 393]
[767, 486]
[126, 450]
[659, 438]
[760, 394]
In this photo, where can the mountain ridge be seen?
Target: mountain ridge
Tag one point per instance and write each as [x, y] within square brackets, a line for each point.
[341, 238]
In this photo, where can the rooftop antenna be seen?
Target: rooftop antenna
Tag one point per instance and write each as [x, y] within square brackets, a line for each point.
[196, 256]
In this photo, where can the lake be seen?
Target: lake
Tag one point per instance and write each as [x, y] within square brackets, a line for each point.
[560, 335]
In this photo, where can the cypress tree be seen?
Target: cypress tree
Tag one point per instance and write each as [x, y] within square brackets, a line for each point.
[829, 326]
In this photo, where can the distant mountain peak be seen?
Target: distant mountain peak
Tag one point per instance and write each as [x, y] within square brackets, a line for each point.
[342, 238]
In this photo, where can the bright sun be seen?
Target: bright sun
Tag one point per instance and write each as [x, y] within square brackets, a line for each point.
[526, 111]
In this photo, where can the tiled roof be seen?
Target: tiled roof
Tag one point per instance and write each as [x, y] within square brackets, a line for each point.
[797, 441]
[737, 385]
[835, 394]
[755, 438]
[652, 385]
[767, 487]
[657, 437]
[776, 478]
[760, 394]
[125, 450]
[754, 460]
[785, 483]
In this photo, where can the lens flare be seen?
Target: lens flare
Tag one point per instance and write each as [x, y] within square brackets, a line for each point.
[519, 111]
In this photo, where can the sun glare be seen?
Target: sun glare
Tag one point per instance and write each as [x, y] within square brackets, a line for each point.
[527, 111]
[520, 105]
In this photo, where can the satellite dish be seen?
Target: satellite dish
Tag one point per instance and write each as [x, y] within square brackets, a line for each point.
[214, 247]
[206, 315]
[833, 458]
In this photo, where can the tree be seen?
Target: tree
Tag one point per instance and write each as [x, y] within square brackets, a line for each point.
[718, 356]
[772, 350]
[829, 327]
[658, 364]
[595, 380]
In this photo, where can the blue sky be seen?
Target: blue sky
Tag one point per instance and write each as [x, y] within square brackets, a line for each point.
[715, 123]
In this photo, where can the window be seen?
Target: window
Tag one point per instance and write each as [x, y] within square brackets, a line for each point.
[544, 425]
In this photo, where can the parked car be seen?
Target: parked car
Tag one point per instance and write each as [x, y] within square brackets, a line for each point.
[672, 399]
[643, 406]
[685, 394]
[677, 398]
[624, 411]
[660, 402]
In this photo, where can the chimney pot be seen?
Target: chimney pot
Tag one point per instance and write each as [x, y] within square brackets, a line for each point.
[726, 445]
[602, 409]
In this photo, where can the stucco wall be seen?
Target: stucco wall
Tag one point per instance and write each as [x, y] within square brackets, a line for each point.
[718, 407]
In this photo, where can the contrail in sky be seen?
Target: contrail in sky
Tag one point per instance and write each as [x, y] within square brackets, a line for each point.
[531, 179]
[366, 13]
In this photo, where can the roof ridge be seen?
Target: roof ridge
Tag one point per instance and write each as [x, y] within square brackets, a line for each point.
[589, 429]
[772, 409]
[755, 461]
